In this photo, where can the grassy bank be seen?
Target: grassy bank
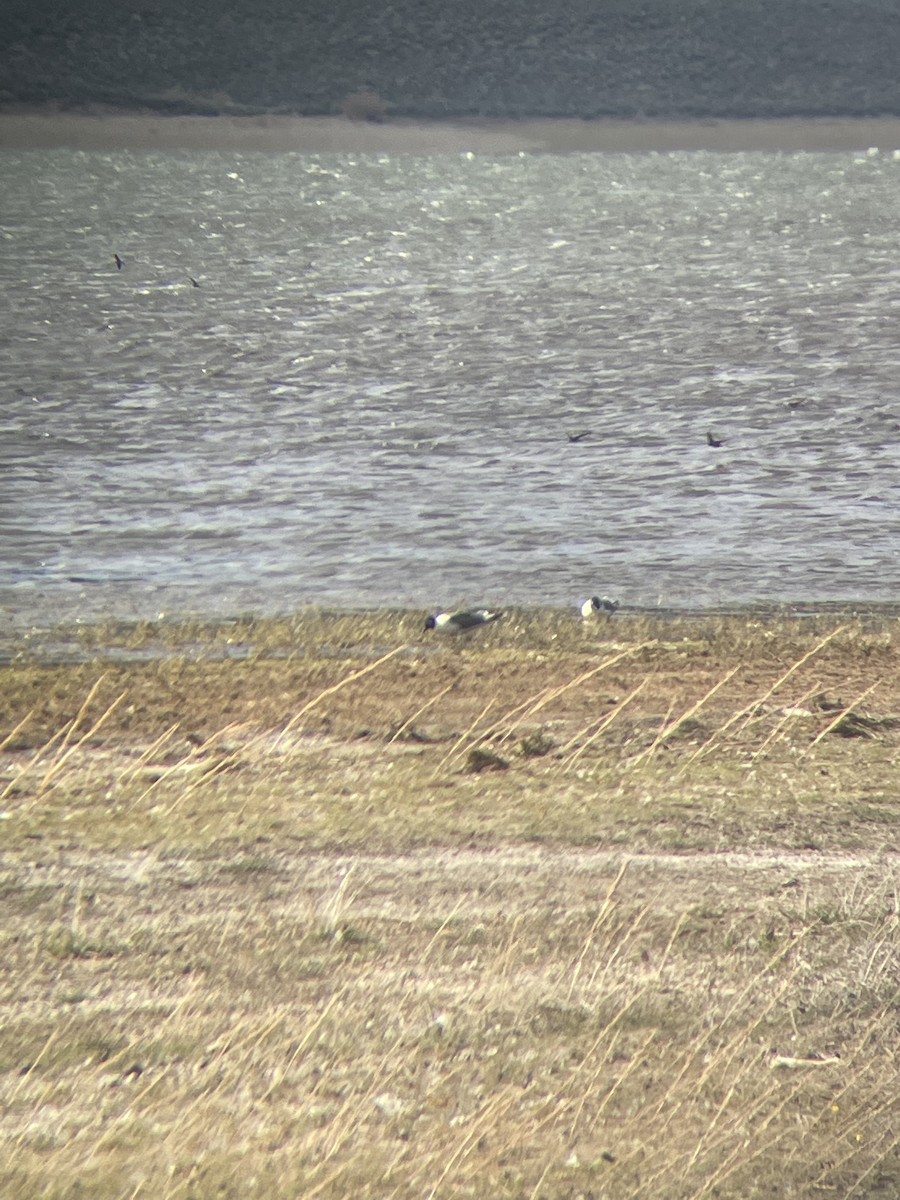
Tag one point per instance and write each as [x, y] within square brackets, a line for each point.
[321, 907]
[110, 131]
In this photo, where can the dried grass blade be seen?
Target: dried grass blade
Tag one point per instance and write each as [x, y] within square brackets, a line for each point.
[70, 731]
[540, 699]
[490, 1112]
[739, 1158]
[305, 1040]
[820, 645]
[786, 716]
[602, 726]
[154, 748]
[335, 687]
[889, 1149]
[749, 709]
[423, 957]
[668, 730]
[554, 693]
[57, 765]
[637, 1058]
[600, 919]
[62, 735]
[54, 1036]
[428, 703]
[695, 1052]
[460, 744]
[12, 733]
[195, 757]
[843, 713]
[501, 721]
[34, 760]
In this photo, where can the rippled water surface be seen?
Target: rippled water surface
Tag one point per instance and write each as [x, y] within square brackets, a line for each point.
[368, 398]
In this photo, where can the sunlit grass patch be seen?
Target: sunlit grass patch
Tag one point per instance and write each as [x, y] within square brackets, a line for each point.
[478, 1039]
[747, 722]
[279, 925]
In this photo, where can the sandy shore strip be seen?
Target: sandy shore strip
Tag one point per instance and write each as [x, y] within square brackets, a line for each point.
[318, 135]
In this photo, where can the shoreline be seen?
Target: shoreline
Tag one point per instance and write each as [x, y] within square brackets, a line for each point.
[123, 639]
[56, 624]
[108, 131]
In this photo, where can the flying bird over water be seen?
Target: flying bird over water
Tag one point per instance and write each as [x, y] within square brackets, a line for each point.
[598, 606]
[577, 437]
[119, 262]
[463, 621]
[711, 441]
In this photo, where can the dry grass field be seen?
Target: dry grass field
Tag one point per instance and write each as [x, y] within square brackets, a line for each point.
[320, 907]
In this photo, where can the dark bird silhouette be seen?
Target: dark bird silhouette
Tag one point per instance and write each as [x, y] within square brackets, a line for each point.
[711, 441]
[597, 605]
[194, 282]
[119, 263]
[576, 437]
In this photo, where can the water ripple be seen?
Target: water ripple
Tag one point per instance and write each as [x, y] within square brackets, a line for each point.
[368, 398]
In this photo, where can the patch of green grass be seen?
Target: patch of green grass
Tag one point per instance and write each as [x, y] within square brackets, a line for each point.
[250, 865]
[66, 941]
[21, 899]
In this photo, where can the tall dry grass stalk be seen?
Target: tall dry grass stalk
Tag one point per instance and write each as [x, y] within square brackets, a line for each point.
[749, 712]
[581, 742]
[530, 709]
[506, 726]
[467, 738]
[317, 700]
[603, 916]
[16, 730]
[423, 708]
[842, 715]
[62, 743]
[792, 670]
[671, 728]
[149, 754]
[788, 717]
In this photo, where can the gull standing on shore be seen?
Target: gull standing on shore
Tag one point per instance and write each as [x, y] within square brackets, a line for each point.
[462, 621]
[598, 606]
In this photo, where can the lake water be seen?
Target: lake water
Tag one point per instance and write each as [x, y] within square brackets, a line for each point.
[368, 398]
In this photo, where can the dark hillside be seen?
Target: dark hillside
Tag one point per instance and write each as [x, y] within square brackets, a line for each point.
[454, 58]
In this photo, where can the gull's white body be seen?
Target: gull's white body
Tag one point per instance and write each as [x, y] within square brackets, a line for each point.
[463, 621]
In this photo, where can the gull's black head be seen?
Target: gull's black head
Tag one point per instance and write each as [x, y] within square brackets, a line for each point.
[430, 622]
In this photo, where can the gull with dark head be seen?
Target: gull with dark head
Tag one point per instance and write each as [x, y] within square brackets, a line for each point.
[598, 606]
[462, 621]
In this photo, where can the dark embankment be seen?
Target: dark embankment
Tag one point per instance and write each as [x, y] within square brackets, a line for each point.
[433, 59]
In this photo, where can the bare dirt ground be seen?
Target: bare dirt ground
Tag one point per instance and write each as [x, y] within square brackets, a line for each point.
[321, 908]
[115, 130]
